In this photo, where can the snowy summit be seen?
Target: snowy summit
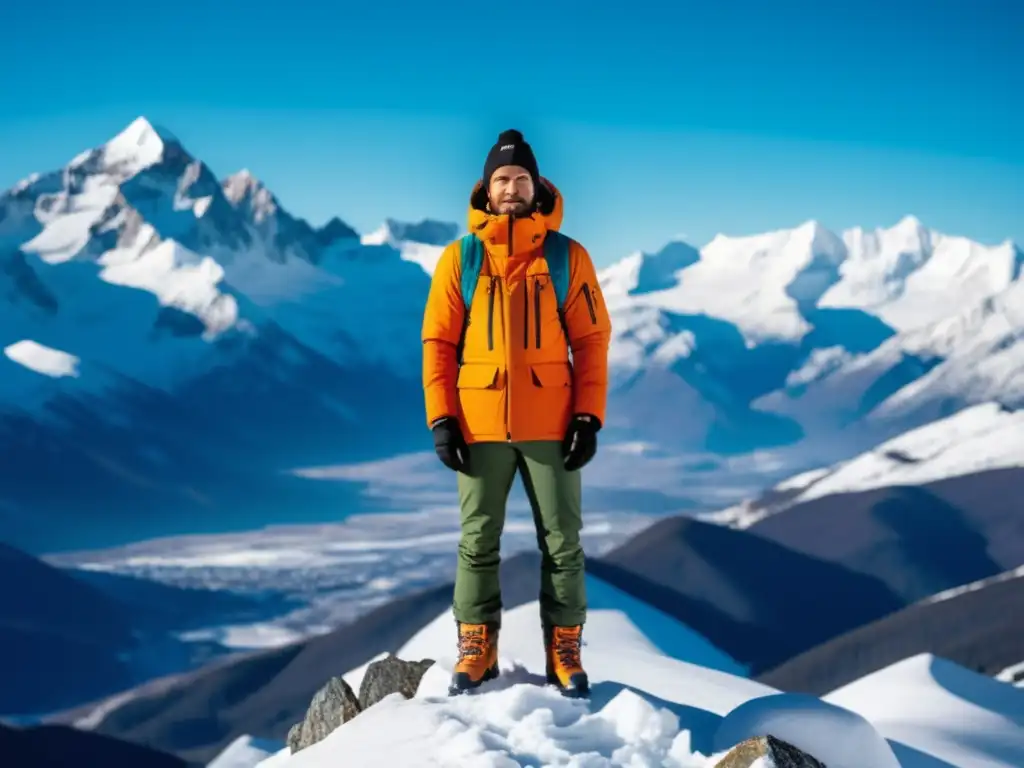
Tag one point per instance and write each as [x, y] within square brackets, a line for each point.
[654, 704]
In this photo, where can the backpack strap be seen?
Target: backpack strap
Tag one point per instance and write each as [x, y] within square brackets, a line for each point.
[556, 254]
[471, 258]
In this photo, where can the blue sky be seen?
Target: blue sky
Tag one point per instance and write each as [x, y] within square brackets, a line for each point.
[655, 119]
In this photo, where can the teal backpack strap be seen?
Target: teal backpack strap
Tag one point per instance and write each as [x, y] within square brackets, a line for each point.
[471, 257]
[556, 254]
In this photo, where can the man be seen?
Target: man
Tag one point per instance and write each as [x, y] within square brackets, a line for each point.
[502, 396]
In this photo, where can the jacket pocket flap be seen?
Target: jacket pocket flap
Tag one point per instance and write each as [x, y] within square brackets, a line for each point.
[477, 376]
[551, 375]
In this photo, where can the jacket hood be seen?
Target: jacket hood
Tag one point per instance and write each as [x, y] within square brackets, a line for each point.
[546, 216]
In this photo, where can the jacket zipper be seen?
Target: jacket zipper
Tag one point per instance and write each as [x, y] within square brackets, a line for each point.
[505, 344]
[590, 303]
[536, 310]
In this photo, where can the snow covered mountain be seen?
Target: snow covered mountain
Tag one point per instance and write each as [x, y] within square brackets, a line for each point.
[162, 327]
[977, 439]
[141, 212]
[421, 242]
[925, 512]
[767, 339]
[164, 330]
[973, 355]
[911, 276]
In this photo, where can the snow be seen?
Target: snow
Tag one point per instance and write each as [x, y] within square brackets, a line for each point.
[873, 310]
[640, 273]
[244, 752]
[756, 282]
[982, 348]
[973, 440]
[810, 724]
[803, 479]
[42, 359]
[519, 722]
[937, 707]
[648, 708]
[973, 354]
[426, 256]
[611, 613]
[819, 364]
[425, 250]
[97, 714]
[976, 439]
[1013, 573]
[1013, 674]
[911, 276]
[178, 277]
[68, 218]
[138, 146]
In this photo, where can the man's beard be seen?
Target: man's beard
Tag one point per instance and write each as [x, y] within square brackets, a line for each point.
[515, 206]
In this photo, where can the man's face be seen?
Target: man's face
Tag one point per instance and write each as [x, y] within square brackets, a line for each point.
[511, 190]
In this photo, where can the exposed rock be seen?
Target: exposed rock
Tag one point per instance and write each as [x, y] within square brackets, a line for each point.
[778, 753]
[334, 704]
[391, 675]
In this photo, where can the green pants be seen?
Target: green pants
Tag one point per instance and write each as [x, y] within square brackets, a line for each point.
[555, 497]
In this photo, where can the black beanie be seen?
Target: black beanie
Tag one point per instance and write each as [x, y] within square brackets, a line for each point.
[511, 149]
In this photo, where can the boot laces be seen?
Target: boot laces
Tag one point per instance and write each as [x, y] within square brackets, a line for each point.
[472, 641]
[567, 647]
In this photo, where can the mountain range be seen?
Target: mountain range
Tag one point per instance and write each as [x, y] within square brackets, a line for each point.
[179, 350]
[832, 578]
[173, 342]
[177, 341]
[961, 715]
[915, 546]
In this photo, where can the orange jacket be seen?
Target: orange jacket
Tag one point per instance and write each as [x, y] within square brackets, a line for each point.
[516, 381]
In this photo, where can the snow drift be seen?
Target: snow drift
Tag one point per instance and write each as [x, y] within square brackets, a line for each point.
[650, 708]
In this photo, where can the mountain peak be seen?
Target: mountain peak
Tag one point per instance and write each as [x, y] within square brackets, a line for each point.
[908, 234]
[335, 230]
[910, 222]
[241, 184]
[821, 240]
[812, 227]
[141, 137]
[245, 190]
[652, 272]
[425, 231]
[138, 146]
[244, 176]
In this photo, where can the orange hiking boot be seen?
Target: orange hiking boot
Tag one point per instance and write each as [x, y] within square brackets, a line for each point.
[564, 668]
[478, 657]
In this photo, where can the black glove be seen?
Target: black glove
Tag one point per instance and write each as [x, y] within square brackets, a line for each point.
[580, 443]
[449, 443]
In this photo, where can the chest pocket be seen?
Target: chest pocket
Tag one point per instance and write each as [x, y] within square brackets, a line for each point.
[542, 324]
